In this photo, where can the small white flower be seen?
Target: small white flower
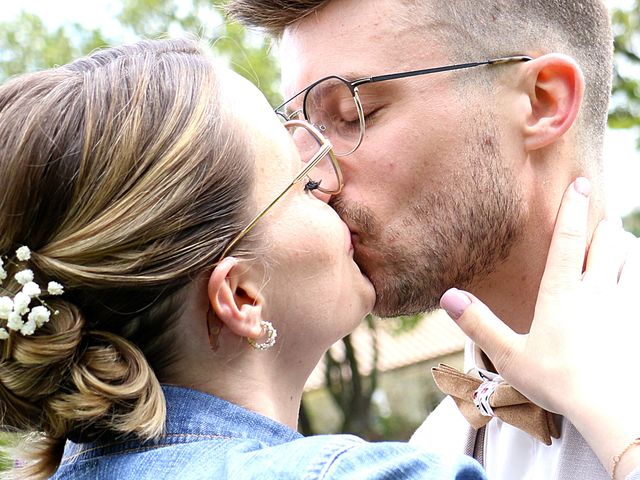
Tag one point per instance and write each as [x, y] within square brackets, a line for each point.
[21, 303]
[24, 276]
[3, 273]
[23, 254]
[54, 288]
[32, 289]
[40, 315]
[28, 328]
[15, 321]
[6, 306]
[3, 334]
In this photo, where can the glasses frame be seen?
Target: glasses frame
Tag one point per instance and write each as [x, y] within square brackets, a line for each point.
[354, 84]
[325, 148]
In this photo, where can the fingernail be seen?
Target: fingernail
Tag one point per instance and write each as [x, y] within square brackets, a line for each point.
[582, 186]
[454, 302]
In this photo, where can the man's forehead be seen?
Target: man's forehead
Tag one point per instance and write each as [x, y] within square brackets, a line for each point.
[305, 59]
[332, 42]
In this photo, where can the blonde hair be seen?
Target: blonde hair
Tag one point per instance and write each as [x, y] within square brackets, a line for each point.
[126, 177]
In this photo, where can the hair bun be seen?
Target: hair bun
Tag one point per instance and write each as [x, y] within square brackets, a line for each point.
[114, 389]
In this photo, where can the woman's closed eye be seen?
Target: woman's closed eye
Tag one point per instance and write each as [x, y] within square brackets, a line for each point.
[371, 116]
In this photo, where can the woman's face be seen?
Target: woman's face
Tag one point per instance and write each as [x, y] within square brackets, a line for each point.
[314, 292]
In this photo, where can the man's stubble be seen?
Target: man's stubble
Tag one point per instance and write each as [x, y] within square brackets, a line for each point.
[452, 237]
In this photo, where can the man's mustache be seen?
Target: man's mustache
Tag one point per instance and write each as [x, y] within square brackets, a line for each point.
[358, 218]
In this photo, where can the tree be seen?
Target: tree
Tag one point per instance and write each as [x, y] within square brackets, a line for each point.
[632, 223]
[625, 111]
[26, 44]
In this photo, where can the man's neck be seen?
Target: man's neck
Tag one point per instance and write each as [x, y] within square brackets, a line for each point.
[511, 291]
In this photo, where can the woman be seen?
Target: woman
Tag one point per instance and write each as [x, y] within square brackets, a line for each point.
[155, 191]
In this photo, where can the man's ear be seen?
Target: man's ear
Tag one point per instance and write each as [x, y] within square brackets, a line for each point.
[235, 299]
[555, 94]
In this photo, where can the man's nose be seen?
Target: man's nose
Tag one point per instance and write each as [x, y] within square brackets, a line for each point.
[352, 166]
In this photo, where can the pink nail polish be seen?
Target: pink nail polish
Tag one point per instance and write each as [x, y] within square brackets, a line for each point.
[455, 302]
[582, 186]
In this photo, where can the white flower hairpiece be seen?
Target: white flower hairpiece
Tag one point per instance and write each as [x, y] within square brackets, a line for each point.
[14, 308]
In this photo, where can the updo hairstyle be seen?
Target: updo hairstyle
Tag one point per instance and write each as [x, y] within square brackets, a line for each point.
[126, 175]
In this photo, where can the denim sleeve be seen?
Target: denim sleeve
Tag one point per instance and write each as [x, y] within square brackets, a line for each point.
[635, 475]
[350, 458]
[328, 457]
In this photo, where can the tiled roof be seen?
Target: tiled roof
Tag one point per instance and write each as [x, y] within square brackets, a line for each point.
[434, 336]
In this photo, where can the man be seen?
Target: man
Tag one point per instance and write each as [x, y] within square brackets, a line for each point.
[453, 176]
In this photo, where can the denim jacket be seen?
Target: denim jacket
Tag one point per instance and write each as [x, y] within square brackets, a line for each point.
[209, 438]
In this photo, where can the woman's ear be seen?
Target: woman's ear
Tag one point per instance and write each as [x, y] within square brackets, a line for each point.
[555, 94]
[235, 299]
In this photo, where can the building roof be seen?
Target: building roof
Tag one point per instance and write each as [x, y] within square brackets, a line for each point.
[434, 336]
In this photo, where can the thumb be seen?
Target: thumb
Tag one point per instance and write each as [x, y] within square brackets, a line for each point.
[480, 324]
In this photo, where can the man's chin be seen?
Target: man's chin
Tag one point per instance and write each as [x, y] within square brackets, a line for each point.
[396, 297]
[400, 289]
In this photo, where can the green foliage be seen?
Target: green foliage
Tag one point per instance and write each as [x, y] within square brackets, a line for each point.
[400, 325]
[352, 391]
[625, 111]
[247, 54]
[26, 44]
[632, 223]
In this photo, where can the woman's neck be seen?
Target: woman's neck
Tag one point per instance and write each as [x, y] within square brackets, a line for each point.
[266, 382]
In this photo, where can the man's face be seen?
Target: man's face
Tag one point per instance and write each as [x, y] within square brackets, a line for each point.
[428, 196]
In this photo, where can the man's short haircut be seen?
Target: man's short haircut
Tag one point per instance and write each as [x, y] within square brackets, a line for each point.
[473, 30]
[274, 16]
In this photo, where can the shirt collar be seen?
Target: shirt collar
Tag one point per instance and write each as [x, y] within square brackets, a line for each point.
[198, 413]
[191, 414]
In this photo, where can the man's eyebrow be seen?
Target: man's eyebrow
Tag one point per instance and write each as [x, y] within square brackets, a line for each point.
[291, 101]
[351, 76]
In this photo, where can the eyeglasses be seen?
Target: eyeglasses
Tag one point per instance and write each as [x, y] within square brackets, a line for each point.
[321, 170]
[332, 104]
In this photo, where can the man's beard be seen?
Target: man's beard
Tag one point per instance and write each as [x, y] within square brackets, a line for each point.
[453, 237]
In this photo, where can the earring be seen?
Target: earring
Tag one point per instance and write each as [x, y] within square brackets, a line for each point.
[269, 330]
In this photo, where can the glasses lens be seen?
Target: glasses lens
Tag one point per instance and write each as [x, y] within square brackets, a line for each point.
[333, 110]
[323, 175]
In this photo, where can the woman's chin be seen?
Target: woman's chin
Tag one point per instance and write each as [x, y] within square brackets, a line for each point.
[369, 293]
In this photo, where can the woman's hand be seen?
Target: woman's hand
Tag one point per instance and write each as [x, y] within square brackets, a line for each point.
[581, 356]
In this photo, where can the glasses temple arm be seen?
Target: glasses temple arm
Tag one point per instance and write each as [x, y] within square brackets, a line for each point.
[323, 151]
[413, 73]
[288, 100]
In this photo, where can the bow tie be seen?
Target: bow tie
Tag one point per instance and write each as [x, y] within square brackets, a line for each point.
[479, 401]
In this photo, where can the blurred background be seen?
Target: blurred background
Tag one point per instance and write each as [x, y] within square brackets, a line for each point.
[375, 383]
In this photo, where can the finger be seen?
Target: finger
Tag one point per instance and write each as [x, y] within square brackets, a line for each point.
[568, 244]
[480, 324]
[607, 252]
[630, 274]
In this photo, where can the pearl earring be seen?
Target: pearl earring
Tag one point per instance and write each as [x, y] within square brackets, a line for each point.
[269, 330]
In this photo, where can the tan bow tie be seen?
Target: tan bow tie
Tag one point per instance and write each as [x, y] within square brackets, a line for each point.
[479, 401]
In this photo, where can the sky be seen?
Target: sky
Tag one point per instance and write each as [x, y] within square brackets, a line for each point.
[622, 159]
